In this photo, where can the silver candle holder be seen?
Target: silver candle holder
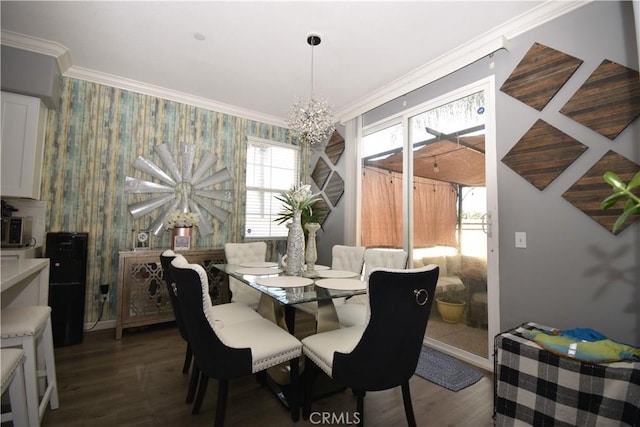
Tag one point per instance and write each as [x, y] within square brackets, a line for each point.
[311, 255]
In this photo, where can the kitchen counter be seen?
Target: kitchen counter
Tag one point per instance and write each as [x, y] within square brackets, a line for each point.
[20, 253]
[24, 282]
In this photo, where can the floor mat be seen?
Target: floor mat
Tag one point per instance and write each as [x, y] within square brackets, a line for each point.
[445, 370]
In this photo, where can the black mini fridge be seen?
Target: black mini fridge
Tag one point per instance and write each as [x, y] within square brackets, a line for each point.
[67, 253]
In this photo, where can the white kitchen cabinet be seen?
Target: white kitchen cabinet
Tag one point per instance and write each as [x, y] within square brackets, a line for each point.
[23, 129]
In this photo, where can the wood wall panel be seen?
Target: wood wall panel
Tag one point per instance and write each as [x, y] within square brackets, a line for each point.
[590, 190]
[540, 75]
[320, 173]
[608, 101]
[542, 154]
[335, 147]
[91, 141]
[335, 188]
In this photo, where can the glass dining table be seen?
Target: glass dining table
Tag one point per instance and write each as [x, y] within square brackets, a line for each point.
[280, 293]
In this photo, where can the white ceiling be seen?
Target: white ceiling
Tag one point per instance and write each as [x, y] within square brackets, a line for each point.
[254, 59]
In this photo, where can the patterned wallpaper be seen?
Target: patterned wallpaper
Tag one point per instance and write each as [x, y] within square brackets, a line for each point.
[92, 140]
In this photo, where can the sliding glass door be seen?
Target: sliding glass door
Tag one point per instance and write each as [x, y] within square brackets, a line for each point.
[424, 189]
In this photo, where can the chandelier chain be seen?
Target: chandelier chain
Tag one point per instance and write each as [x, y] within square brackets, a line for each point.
[312, 70]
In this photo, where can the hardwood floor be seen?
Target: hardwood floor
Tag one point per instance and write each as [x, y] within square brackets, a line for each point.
[137, 381]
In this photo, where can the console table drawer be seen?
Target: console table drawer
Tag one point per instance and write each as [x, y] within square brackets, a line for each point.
[142, 293]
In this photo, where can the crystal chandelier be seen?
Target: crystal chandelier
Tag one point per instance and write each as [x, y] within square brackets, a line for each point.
[310, 120]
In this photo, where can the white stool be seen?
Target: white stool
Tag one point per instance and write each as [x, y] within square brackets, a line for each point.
[26, 327]
[12, 360]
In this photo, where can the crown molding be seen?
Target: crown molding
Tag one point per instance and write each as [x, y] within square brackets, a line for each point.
[172, 95]
[41, 46]
[463, 55]
[63, 58]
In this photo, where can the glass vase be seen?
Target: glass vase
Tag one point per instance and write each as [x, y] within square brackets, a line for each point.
[295, 246]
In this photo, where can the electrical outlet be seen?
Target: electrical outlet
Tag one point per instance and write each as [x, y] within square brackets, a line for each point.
[104, 291]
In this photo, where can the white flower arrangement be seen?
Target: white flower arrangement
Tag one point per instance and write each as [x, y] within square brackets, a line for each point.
[297, 198]
[178, 219]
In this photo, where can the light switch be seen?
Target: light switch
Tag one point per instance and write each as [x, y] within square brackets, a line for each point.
[521, 239]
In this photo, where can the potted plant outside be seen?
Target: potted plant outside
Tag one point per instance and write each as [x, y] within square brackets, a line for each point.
[451, 305]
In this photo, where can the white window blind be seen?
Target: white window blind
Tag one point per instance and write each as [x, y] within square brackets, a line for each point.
[271, 168]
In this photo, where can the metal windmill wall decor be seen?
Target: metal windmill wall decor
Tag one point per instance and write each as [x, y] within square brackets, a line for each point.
[180, 188]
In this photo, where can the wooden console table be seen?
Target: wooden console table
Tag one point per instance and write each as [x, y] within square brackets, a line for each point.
[142, 292]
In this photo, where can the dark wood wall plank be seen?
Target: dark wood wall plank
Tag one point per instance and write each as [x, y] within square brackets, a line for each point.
[540, 75]
[320, 173]
[335, 147]
[542, 154]
[590, 190]
[608, 101]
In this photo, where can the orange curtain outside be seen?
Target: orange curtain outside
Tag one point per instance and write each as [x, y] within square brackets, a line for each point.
[381, 217]
[434, 210]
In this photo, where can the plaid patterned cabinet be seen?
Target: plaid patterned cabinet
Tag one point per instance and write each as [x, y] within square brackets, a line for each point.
[142, 292]
[538, 388]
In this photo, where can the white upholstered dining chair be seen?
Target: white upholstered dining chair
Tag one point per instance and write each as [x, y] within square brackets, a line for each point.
[345, 258]
[238, 253]
[355, 311]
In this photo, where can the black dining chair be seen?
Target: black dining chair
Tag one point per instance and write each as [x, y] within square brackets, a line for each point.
[165, 260]
[226, 349]
[383, 353]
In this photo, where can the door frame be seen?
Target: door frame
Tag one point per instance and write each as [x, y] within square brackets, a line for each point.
[487, 85]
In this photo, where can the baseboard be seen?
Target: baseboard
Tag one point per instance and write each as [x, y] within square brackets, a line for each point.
[105, 324]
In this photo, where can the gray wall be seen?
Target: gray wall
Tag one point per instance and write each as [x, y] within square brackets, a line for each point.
[332, 232]
[574, 273]
[569, 276]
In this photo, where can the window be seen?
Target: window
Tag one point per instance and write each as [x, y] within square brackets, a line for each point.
[272, 167]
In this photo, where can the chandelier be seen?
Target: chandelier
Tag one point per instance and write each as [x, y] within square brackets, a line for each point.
[310, 120]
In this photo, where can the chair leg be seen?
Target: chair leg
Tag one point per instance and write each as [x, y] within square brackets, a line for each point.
[294, 405]
[261, 377]
[187, 359]
[31, 380]
[221, 406]
[193, 384]
[408, 407]
[310, 374]
[202, 390]
[360, 406]
[50, 366]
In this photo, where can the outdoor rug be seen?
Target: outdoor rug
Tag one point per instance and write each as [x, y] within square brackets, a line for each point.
[445, 371]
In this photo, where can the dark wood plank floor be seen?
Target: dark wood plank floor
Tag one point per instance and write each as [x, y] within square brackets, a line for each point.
[137, 381]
